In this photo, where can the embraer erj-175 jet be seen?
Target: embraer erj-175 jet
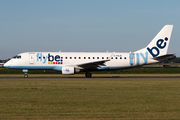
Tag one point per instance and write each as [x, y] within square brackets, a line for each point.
[74, 62]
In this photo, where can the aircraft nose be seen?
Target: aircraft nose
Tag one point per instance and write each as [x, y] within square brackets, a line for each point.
[7, 64]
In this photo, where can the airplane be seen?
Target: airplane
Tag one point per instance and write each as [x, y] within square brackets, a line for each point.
[70, 63]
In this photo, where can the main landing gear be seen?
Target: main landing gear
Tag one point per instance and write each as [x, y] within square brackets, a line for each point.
[88, 75]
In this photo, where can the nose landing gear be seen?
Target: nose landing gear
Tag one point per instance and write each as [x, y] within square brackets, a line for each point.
[25, 73]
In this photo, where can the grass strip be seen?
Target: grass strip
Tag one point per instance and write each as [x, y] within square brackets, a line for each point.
[90, 99]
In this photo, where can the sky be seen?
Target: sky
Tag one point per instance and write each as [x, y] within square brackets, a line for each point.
[85, 25]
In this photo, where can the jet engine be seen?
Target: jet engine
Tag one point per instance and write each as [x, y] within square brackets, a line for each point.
[66, 70]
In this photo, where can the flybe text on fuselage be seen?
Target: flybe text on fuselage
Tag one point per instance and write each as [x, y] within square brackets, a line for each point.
[50, 58]
[160, 44]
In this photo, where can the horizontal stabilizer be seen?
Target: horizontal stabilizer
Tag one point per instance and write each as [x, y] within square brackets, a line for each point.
[165, 57]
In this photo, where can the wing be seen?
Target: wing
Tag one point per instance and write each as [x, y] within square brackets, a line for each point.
[95, 64]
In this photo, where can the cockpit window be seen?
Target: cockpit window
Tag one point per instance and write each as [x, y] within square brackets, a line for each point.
[17, 57]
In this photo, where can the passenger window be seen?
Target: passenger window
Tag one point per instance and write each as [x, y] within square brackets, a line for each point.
[48, 57]
[66, 57]
[97, 57]
[61, 57]
[79, 57]
[124, 57]
[57, 57]
[116, 57]
[70, 57]
[93, 57]
[102, 57]
[84, 57]
[88, 57]
[120, 57]
[112, 58]
[74, 57]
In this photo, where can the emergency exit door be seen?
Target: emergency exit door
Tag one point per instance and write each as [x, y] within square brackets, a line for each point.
[31, 58]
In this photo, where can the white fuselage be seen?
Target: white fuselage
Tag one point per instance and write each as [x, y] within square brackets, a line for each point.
[55, 60]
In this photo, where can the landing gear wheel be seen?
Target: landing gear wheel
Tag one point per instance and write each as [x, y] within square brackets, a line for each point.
[88, 75]
[26, 75]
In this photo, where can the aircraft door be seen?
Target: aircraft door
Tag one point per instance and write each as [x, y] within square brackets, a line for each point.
[132, 59]
[31, 58]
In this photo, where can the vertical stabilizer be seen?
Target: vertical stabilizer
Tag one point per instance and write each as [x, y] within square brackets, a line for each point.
[159, 45]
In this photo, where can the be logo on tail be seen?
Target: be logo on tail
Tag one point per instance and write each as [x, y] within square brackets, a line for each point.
[160, 44]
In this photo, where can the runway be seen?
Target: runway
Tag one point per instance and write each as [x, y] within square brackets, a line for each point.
[94, 78]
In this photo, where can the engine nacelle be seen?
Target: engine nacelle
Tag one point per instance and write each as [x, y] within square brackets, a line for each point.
[66, 70]
[76, 70]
